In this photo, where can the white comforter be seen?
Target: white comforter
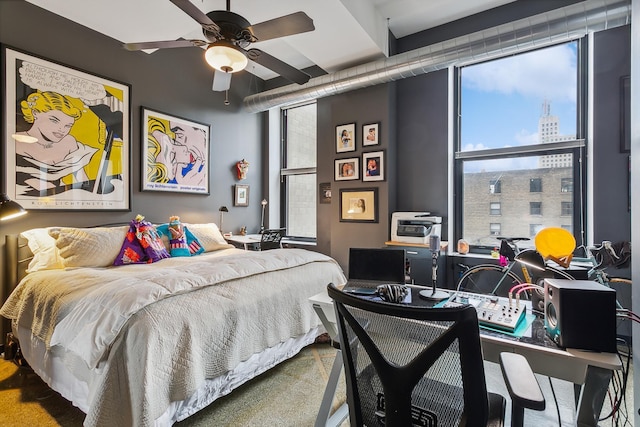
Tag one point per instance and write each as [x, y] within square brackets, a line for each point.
[151, 334]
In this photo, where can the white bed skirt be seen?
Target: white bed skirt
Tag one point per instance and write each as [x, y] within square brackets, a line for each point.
[54, 372]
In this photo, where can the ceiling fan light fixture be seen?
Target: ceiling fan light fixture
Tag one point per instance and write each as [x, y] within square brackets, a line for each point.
[224, 56]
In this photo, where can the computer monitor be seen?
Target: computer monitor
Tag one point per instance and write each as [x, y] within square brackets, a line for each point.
[377, 264]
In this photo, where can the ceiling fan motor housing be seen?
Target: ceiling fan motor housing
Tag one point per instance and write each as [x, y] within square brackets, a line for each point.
[233, 28]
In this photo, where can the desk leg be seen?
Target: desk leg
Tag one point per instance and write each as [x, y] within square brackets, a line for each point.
[323, 419]
[592, 396]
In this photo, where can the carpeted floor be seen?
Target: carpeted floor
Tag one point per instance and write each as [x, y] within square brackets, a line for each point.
[286, 396]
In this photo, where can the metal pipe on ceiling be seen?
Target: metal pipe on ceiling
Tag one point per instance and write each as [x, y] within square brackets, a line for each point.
[555, 26]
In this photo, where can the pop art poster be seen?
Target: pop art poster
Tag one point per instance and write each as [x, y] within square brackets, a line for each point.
[67, 137]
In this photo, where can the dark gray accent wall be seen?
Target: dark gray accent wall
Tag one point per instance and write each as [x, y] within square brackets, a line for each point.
[422, 145]
[175, 81]
[369, 105]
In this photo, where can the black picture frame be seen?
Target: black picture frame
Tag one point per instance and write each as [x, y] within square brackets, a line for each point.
[359, 205]
[625, 114]
[95, 173]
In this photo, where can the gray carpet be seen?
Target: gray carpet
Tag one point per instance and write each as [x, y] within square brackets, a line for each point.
[286, 396]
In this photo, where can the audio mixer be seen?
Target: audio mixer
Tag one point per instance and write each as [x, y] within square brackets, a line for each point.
[493, 312]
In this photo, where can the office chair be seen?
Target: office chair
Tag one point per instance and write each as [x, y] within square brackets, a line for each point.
[271, 239]
[409, 365]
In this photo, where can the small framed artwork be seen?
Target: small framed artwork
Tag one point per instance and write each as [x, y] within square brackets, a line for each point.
[241, 195]
[370, 134]
[347, 169]
[359, 205]
[324, 190]
[346, 138]
[373, 166]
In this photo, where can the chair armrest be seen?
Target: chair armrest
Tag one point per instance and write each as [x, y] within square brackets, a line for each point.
[522, 384]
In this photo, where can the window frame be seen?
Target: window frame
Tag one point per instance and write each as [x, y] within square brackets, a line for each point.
[576, 147]
[285, 173]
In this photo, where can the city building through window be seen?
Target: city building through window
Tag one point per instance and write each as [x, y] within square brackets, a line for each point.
[521, 135]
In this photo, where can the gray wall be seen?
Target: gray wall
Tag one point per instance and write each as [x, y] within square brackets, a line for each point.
[369, 105]
[175, 81]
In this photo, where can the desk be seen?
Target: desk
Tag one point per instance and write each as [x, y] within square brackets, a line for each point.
[248, 241]
[590, 372]
[252, 241]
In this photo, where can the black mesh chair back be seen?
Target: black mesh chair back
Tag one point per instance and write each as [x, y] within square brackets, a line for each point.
[413, 366]
[271, 239]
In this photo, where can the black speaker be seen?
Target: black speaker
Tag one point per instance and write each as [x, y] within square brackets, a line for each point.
[580, 314]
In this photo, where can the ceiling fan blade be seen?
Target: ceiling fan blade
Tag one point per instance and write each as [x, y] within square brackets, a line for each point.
[285, 70]
[221, 81]
[295, 23]
[164, 44]
[199, 16]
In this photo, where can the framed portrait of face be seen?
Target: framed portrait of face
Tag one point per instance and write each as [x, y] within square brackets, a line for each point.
[359, 205]
[67, 136]
[346, 138]
[175, 156]
[373, 166]
[347, 169]
[370, 134]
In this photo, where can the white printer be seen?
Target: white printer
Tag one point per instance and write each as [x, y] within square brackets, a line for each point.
[414, 227]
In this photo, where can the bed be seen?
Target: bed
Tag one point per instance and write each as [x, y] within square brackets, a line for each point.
[151, 344]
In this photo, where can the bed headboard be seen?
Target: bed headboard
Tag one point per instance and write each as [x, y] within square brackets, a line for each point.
[17, 258]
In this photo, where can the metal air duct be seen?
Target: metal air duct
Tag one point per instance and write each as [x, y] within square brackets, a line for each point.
[564, 24]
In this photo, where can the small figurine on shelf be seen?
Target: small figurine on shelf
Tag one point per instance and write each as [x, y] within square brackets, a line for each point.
[242, 168]
[243, 231]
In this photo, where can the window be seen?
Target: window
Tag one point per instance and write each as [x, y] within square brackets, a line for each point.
[526, 131]
[494, 208]
[534, 228]
[566, 208]
[494, 228]
[535, 208]
[535, 185]
[299, 188]
[495, 186]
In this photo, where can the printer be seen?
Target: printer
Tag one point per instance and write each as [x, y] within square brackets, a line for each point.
[414, 227]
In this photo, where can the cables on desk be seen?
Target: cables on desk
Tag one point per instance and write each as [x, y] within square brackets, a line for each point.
[617, 391]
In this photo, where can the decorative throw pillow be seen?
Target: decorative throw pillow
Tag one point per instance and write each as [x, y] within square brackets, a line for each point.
[131, 251]
[194, 247]
[209, 236]
[150, 240]
[88, 247]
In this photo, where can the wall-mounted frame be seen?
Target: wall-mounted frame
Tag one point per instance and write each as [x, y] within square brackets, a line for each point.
[175, 153]
[373, 166]
[83, 161]
[346, 138]
[240, 195]
[371, 134]
[359, 205]
[347, 169]
[625, 114]
[324, 191]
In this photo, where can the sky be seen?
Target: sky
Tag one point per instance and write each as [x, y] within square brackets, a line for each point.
[502, 99]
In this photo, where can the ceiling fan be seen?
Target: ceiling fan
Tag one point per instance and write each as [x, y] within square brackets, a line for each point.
[228, 35]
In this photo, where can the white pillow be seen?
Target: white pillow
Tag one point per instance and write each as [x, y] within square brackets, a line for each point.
[45, 253]
[89, 247]
[209, 236]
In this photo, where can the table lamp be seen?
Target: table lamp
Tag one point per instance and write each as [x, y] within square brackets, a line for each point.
[9, 209]
[264, 204]
[222, 210]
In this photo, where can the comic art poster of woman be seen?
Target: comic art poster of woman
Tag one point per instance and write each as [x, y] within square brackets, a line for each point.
[68, 147]
[176, 153]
